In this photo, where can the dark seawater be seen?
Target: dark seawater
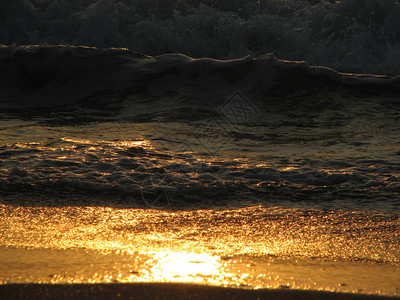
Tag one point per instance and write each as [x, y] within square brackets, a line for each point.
[92, 120]
[87, 126]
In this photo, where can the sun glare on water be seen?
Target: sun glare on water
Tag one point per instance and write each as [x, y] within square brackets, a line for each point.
[182, 267]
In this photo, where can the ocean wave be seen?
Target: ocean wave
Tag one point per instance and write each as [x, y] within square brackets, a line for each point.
[350, 35]
[105, 79]
[313, 133]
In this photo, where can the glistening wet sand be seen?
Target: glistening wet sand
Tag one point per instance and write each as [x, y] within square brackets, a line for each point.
[252, 248]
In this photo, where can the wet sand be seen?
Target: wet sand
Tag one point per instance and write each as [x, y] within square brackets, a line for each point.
[161, 291]
[249, 248]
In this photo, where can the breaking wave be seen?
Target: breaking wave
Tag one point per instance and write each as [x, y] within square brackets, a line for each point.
[50, 76]
[350, 35]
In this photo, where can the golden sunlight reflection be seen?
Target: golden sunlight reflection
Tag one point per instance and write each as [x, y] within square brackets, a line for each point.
[182, 267]
[128, 143]
[75, 140]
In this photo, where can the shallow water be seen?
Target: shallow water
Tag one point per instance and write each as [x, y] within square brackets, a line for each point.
[134, 164]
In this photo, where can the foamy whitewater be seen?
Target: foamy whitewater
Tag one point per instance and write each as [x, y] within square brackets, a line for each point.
[352, 35]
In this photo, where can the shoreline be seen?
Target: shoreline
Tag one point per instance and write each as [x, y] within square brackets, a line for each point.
[79, 271]
[162, 291]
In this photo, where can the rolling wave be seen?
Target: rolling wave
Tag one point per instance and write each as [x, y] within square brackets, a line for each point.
[61, 76]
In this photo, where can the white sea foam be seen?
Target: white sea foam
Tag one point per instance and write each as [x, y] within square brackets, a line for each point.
[350, 35]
